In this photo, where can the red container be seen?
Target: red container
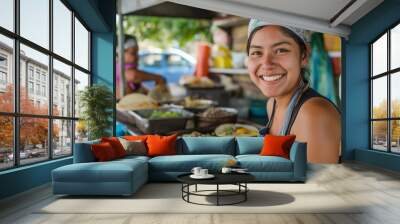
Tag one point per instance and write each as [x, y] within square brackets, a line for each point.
[203, 53]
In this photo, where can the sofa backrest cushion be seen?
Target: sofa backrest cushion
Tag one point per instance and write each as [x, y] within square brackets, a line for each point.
[249, 145]
[161, 145]
[83, 153]
[104, 152]
[116, 145]
[276, 145]
[206, 145]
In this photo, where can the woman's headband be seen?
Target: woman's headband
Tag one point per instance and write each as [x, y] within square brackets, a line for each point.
[254, 23]
[130, 42]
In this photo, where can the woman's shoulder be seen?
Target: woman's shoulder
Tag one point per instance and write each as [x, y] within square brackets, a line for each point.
[318, 109]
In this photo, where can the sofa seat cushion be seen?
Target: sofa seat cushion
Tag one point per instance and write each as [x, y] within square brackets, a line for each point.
[112, 171]
[133, 158]
[257, 163]
[185, 163]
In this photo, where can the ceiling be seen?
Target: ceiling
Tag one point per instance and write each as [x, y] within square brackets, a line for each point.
[327, 16]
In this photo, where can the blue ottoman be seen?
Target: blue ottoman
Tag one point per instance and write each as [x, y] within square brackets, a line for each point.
[118, 177]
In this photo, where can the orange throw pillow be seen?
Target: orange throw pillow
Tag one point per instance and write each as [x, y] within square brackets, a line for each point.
[103, 152]
[277, 145]
[161, 145]
[116, 145]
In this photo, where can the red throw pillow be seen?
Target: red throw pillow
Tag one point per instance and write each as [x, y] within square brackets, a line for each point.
[136, 137]
[116, 145]
[161, 145]
[277, 145]
[103, 151]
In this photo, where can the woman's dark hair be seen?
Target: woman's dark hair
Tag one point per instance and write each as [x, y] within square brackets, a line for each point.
[291, 34]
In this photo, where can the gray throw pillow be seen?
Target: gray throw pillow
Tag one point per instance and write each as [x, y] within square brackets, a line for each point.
[137, 147]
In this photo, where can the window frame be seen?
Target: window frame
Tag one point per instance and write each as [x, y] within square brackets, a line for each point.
[388, 74]
[16, 114]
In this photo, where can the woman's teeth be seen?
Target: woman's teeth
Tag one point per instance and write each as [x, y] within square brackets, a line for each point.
[270, 78]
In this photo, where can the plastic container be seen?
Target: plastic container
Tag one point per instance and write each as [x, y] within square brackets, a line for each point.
[202, 121]
[160, 125]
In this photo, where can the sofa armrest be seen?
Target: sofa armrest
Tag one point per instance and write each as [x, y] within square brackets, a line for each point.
[298, 155]
[83, 152]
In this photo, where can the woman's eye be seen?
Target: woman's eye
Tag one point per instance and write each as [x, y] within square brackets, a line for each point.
[255, 53]
[281, 50]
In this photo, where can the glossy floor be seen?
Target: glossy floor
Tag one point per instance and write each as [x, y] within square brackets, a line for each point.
[377, 188]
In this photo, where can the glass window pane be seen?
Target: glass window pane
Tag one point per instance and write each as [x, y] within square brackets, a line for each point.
[35, 21]
[6, 142]
[395, 94]
[81, 45]
[81, 131]
[62, 89]
[7, 14]
[62, 29]
[379, 55]
[6, 74]
[33, 139]
[34, 97]
[395, 136]
[379, 97]
[379, 135]
[62, 138]
[81, 81]
[395, 47]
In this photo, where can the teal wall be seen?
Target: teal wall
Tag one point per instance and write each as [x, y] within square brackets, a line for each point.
[24, 178]
[355, 84]
[99, 16]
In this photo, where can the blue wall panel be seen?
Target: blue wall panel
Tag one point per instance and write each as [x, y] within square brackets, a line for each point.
[24, 178]
[377, 158]
[356, 84]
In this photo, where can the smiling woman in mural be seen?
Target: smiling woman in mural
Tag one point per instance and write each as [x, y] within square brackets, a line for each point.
[277, 60]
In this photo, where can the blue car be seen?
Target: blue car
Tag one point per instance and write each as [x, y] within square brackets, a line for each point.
[171, 64]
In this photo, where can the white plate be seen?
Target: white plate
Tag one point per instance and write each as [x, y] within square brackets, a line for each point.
[208, 176]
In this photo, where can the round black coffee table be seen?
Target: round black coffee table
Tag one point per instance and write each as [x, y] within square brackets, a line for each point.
[238, 179]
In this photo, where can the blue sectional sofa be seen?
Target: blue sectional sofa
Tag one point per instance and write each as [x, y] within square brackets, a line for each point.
[125, 176]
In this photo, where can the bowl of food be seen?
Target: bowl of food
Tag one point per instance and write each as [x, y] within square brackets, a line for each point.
[161, 120]
[196, 82]
[136, 101]
[216, 115]
[237, 130]
[197, 105]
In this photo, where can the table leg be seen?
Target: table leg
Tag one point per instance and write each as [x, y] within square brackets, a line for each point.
[196, 188]
[245, 193]
[188, 189]
[217, 194]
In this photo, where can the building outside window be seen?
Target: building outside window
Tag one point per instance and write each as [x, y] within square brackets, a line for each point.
[3, 72]
[385, 92]
[3, 61]
[37, 74]
[3, 78]
[43, 78]
[57, 127]
[30, 87]
[38, 89]
[30, 72]
[43, 90]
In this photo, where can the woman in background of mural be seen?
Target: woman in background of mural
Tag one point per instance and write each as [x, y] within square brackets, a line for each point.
[278, 57]
[133, 76]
